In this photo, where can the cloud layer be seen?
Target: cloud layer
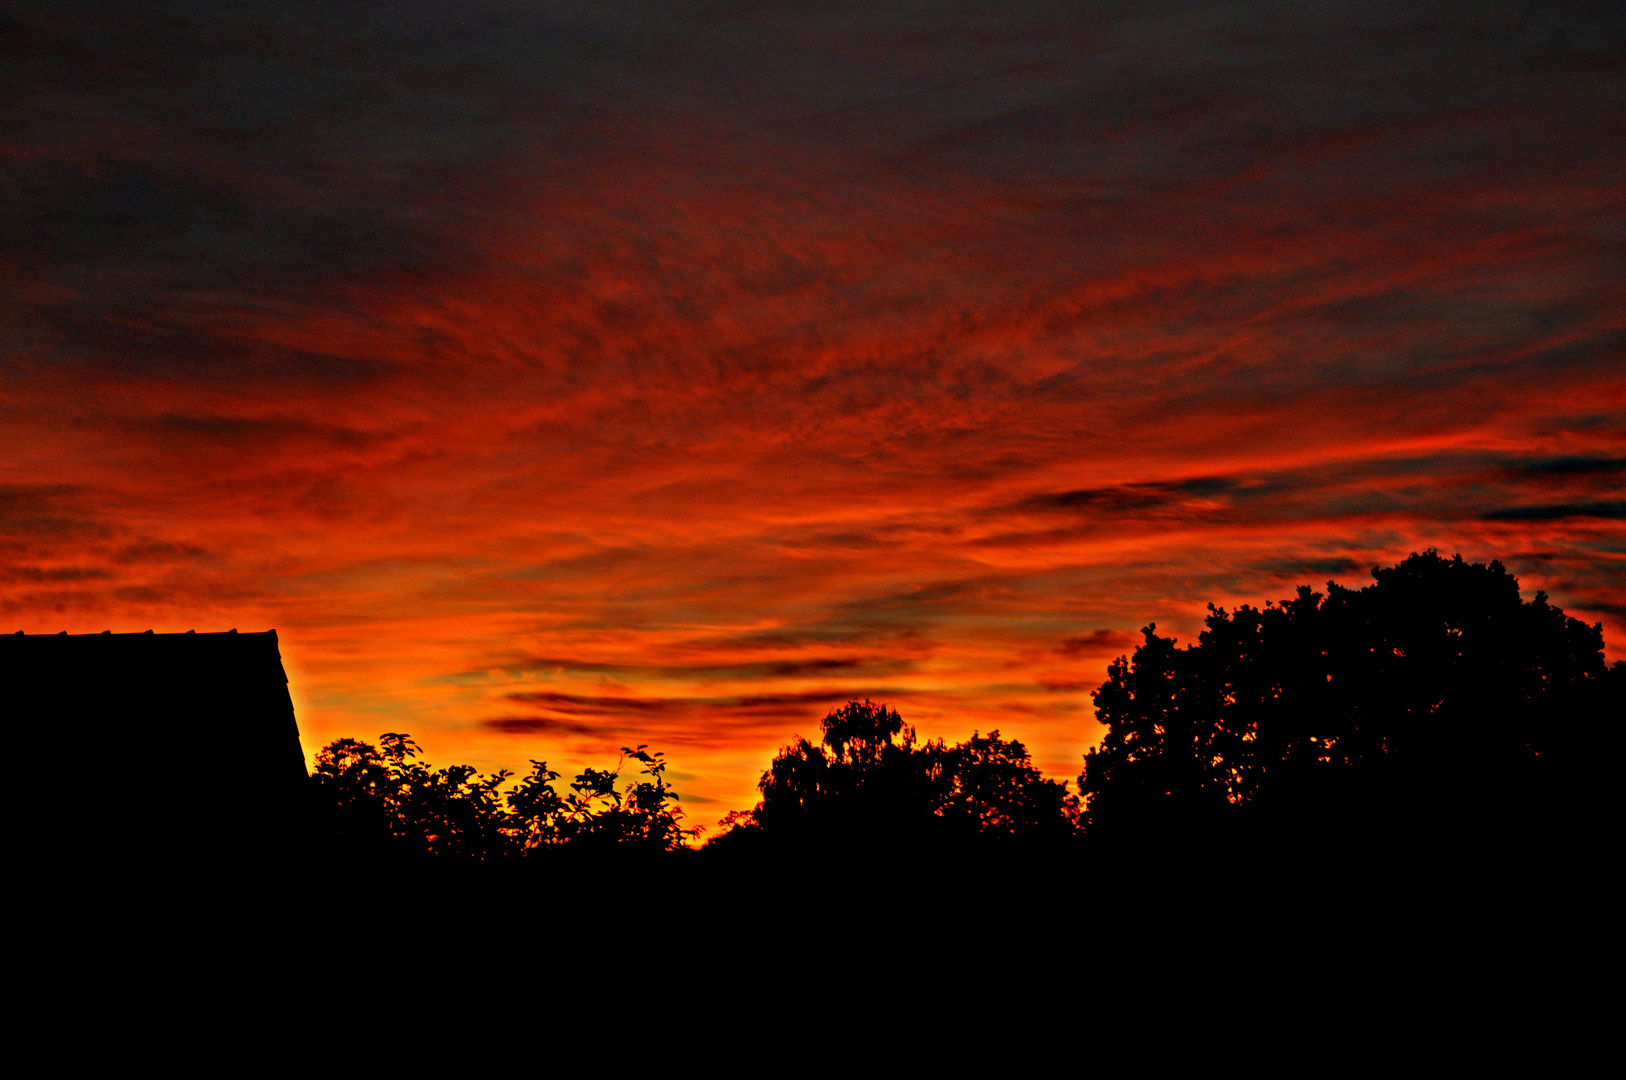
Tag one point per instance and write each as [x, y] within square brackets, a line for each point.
[557, 380]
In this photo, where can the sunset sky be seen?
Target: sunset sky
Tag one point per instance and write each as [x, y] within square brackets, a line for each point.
[560, 376]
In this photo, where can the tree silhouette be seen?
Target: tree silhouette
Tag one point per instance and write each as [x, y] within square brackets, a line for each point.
[1433, 699]
[352, 788]
[994, 790]
[597, 813]
[868, 785]
[382, 801]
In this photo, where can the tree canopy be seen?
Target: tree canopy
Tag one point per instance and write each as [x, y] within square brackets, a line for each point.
[1433, 697]
[868, 783]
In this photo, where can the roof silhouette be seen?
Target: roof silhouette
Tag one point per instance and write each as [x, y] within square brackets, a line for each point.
[155, 743]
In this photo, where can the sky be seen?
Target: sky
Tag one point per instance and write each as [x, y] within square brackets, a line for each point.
[559, 377]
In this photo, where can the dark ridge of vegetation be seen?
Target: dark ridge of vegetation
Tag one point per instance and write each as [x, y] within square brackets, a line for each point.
[1431, 709]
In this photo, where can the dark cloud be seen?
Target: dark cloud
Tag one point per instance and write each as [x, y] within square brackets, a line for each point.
[37, 575]
[1321, 569]
[159, 552]
[1575, 466]
[34, 498]
[576, 703]
[579, 704]
[710, 724]
[876, 641]
[541, 725]
[1098, 643]
[764, 669]
[1558, 511]
[32, 513]
[1126, 497]
[816, 697]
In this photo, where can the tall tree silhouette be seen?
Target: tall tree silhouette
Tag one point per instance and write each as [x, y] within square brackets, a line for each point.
[868, 784]
[866, 781]
[1434, 698]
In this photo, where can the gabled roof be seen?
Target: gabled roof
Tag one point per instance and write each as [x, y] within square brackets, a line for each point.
[168, 734]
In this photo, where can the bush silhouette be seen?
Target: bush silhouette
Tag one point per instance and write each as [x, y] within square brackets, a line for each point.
[381, 801]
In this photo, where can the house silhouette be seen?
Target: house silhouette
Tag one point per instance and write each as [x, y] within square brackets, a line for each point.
[155, 745]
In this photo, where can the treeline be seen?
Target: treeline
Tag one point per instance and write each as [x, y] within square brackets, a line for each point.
[1434, 705]
[381, 800]
[869, 778]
